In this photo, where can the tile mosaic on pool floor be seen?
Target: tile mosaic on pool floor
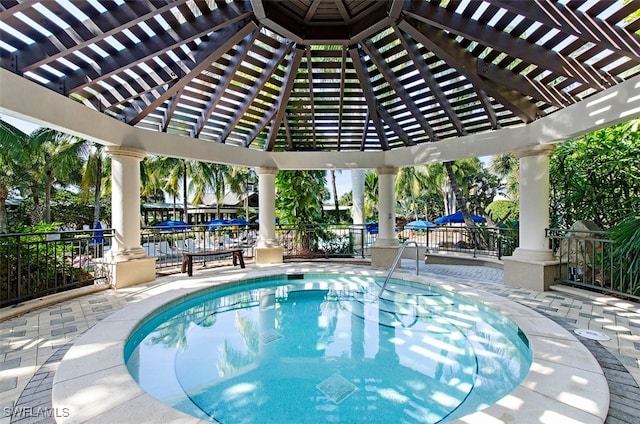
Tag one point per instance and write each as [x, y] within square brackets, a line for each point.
[337, 388]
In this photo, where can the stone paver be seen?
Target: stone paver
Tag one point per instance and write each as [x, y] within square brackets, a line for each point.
[32, 345]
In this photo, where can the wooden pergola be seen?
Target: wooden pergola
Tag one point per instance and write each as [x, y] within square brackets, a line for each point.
[322, 75]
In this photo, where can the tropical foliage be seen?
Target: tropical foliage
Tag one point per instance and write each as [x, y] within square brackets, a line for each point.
[299, 197]
[596, 177]
[35, 166]
[503, 211]
[626, 241]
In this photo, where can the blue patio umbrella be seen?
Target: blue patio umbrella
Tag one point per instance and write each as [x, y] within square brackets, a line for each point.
[277, 220]
[215, 223]
[457, 218]
[372, 227]
[419, 225]
[237, 221]
[173, 225]
[98, 235]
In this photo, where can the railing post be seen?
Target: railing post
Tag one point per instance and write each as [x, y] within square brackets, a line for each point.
[19, 265]
[474, 240]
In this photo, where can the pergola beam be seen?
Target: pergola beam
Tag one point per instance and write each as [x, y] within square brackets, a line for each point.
[155, 46]
[438, 17]
[267, 71]
[235, 63]
[577, 24]
[225, 40]
[285, 93]
[372, 103]
[457, 57]
[430, 80]
[36, 57]
[397, 87]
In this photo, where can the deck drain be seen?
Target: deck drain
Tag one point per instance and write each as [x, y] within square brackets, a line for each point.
[337, 388]
[269, 336]
[592, 335]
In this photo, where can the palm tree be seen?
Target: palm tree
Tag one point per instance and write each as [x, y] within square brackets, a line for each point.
[172, 172]
[93, 178]
[409, 183]
[507, 167]
[239, 180]
[151, 182]
[370, 195]
[334, 190]
[49, 156]
[461, 202]
[11, 138]
[218, 177]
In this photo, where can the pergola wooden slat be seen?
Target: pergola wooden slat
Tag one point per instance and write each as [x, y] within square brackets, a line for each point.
[323, 75]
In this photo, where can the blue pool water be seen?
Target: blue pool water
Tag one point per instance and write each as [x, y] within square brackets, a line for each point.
[322, 348]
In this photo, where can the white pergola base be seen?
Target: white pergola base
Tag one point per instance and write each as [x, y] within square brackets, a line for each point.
[122, 274]
[533, 272]
[269, 255]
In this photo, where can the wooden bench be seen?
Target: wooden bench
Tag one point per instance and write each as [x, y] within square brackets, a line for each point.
[187, 258]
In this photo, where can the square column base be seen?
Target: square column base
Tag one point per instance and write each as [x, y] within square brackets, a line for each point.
[383, 256]
[128, 273]
[528, 274]
[269, 255]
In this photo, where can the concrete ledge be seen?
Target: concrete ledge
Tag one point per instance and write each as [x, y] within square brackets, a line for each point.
[454, 258]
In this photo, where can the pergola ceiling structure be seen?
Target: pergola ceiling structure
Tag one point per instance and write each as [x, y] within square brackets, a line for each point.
[322, 75]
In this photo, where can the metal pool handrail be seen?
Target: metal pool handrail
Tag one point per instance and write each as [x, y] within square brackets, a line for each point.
[397, 259]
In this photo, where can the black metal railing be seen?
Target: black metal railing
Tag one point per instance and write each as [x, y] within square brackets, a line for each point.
[167, 244]
[588, 260]
[37, 264]
[486, 241]
[324, 241]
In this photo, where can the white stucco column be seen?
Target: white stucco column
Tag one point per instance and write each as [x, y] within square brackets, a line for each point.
[127, 261]
[386, 207]
[533, 265]
[384, 251]
[357, 195]
[125, 199]
[267, 249]
[357, 210]
[534, 203]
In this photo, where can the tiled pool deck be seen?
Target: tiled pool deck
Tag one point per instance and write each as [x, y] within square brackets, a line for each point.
[31, 345]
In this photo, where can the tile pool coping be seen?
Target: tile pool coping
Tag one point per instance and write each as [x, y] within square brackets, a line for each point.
[92, 384]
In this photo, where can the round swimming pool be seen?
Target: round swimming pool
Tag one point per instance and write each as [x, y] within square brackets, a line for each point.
[324, 348]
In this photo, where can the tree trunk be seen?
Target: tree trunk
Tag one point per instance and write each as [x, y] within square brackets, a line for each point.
[98, 187]
[335, 193]
[4, 195]
[185, 192]
[175, 217]
[47, 197]
[461, 204]
[37, 209]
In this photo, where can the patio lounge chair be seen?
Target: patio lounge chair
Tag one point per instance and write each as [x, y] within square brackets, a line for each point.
[166, 250]
[152, 250]
[189, 246]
